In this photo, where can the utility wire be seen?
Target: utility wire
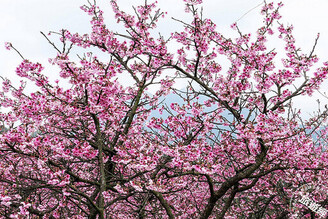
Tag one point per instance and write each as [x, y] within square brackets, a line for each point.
[249, 11]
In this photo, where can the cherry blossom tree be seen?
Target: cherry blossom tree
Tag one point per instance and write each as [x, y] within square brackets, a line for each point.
[228, 145]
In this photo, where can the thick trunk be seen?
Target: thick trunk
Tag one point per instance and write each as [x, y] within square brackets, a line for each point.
[234, 180]
[101, 204]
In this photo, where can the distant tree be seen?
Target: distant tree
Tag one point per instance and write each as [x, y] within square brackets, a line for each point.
[231, 146]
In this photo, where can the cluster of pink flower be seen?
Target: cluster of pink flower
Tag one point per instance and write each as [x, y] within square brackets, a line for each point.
[105, 149]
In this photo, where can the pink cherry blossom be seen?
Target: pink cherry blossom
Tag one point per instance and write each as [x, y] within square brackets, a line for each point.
[228, 145]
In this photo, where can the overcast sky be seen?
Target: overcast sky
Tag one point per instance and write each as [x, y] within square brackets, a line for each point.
[22, 20]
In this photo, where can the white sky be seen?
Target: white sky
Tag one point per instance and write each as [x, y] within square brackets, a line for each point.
[22, 20]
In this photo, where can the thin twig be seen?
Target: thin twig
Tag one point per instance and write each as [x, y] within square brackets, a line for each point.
[17, 51]
[50, 42]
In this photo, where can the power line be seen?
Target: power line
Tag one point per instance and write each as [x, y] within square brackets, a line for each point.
[249, 12]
